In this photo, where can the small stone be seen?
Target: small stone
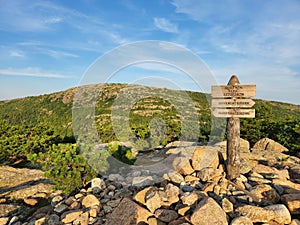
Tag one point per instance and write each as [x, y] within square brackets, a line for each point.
[183, 166]
[111, 187]
[93, 212]
[53, 219]
[227, 206]
[40, 221]
[113, 203]
[79, 195]
[141, 195]
[169, 195]
[205, 156]
[175, 177]
[189, 199]
[262, 169]
[152, 221]
[56, 200]
[97, 185]
[128, 212]
[104, 200]
[70, 216]
[166, 215]
[183, 211]
[256, 214]
[289, 186]
[4, 220]
[238, 181]
[209, 187]
[208, 212]
[210, 174]
[282, 214]
[278, 188]
[270, 176]
[83, 219]
[75, 205]
[142, 181]
[30, 201]
[217, 189]
[244, 167]
[292, 201]
[295, 222]
[153, 201]
[187, 188]
[259, 180]
[248, 186]
[265, 193]
[243, 178]
[115, 177]
[192, 180]
[13, 220]
[179, 221]
[107, 209]
[69, 200]
[83, 190]
[242, 220]
[60, 208]
[89, 201]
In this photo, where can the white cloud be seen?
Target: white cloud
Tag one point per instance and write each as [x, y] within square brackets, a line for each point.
[58, 54]
[53, 20]
[165, 25]
[30, 72]
[16, 53]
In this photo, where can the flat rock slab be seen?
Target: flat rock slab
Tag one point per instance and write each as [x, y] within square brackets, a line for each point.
[7, 209]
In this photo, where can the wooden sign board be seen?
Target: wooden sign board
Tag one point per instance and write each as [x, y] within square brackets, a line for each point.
[234, 112]
[233, 91]
[232, 103]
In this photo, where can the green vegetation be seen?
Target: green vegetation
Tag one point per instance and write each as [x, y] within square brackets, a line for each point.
[64, 166]
[40, 128]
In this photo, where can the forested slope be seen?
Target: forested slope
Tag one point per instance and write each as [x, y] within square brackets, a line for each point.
[34, 127]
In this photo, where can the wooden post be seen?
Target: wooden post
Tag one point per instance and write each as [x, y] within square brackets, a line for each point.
[232, 102]
[233, 141]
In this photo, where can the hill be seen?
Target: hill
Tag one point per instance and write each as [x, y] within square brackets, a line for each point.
[50, 116]
[40, 128]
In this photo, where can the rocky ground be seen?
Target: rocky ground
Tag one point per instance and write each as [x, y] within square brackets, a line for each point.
[188, 186]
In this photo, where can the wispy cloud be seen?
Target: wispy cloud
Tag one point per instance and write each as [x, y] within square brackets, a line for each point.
[16, 53]
[58, 54]
[271, 32]
[19, 16]
[165, 25]
[30, 72]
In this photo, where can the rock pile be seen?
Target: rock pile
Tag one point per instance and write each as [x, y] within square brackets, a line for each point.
[193, 191]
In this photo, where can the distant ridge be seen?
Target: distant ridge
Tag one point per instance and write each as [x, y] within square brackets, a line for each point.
[53, 112]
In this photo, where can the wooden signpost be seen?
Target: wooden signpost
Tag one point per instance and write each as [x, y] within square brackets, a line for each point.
[233, 102]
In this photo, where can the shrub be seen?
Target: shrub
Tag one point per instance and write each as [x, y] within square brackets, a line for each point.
[65, 167]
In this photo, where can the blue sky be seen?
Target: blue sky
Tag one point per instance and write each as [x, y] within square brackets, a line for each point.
[47, 46]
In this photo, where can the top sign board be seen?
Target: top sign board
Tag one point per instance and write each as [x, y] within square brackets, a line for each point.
[233, 91]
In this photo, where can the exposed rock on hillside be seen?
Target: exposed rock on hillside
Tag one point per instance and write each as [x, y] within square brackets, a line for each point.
[22, 191]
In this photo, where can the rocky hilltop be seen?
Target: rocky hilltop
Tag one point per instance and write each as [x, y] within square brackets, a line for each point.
[187, 186]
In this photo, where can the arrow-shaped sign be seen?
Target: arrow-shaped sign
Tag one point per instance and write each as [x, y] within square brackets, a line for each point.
[235, 112]
[232, 103]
